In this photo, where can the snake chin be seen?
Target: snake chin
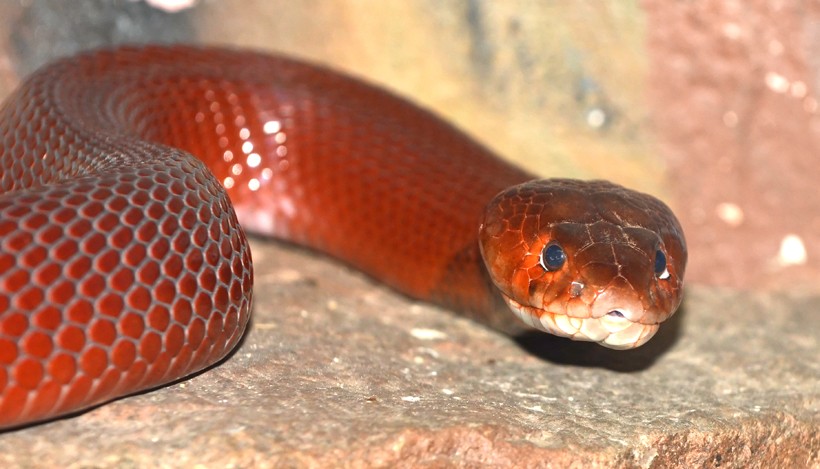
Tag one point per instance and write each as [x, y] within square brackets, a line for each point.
[611, 331]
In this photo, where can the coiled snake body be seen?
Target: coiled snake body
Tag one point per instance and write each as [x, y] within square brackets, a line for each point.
[123, 265]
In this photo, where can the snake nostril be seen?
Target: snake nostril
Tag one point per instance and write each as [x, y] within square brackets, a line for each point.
[615, 314]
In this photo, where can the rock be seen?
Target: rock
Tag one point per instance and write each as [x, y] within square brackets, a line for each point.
[337, 371]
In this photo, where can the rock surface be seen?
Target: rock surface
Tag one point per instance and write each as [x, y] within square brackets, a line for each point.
[339, 372]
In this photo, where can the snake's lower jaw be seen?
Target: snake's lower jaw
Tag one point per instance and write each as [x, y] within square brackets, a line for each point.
[609, 331]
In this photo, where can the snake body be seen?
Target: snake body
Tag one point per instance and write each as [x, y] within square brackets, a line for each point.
[123, 261]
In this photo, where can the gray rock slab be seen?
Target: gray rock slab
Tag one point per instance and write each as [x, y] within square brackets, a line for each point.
[338, 371]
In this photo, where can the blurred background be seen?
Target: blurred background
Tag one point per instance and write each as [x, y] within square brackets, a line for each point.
[712, 106]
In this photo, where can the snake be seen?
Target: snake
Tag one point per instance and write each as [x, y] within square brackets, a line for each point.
[129, 177]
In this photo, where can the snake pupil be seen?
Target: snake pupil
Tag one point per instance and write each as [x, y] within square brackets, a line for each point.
[553, 257]
[660, 265]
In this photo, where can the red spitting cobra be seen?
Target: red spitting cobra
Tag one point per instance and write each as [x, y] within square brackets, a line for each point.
[123, 265]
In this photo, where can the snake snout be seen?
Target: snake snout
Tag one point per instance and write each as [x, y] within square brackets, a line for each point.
[618, 301]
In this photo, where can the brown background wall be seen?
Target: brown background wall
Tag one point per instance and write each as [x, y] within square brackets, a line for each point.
[711, 105]
[733, 88]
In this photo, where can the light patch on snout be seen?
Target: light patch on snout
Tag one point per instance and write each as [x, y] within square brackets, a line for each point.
[610, 330]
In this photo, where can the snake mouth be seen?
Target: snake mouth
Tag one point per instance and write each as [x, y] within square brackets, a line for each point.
[612, 330]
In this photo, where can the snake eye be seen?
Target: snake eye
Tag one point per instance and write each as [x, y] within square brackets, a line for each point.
[660, 265]
[552, 257]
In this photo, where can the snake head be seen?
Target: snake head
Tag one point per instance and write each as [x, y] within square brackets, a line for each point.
[588, 260]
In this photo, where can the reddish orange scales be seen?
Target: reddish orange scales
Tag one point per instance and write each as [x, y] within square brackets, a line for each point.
[125, 175]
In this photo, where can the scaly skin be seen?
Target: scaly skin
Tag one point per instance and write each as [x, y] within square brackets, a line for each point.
[122, 262]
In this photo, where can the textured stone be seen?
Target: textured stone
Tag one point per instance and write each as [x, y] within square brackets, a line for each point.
[339, 371]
